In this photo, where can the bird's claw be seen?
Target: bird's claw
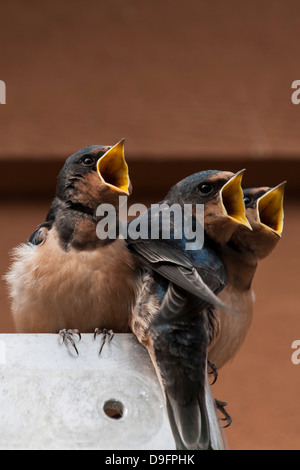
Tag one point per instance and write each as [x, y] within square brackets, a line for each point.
[105, 333]
[221, 406]
[68, 337]
[214, 371]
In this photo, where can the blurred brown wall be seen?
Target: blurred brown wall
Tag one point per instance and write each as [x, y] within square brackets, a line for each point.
[190, 85]
[180, 79]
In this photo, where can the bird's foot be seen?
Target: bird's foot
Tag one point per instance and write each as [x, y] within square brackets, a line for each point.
[105, 333]
[221, 406]
[214, 371]
[69, 337]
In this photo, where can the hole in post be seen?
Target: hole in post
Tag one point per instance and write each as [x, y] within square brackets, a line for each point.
[114, 409]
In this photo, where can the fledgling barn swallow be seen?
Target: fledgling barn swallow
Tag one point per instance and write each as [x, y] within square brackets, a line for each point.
[170, 317]
[264, 210]
[65, 277]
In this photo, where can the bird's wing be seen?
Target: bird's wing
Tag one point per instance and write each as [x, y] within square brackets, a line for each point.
[175, 265]
[40, 233]
[177, 304]
[35, 238]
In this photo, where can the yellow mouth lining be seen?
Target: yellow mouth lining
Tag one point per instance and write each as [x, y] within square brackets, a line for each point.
[270, 209]
[232, 200]
[113, 169]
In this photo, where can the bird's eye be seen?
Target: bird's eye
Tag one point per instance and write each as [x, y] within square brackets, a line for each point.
[88, 161]
[247, 200]
[205, 188]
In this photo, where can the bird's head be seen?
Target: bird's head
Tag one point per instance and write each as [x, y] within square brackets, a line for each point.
[94, 175]
[222, 196]
[264, 210]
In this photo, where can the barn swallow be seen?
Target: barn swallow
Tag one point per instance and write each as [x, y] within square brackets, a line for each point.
[264, 210]
[65, 278]
[171, 316]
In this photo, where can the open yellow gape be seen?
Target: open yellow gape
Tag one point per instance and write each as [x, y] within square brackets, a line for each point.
[270, 209]
[232, 200]
[113, 169]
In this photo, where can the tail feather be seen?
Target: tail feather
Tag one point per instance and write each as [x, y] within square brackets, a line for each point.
[190, 424]
[180, 354]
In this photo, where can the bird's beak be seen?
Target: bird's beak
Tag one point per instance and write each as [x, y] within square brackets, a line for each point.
[270, 209]
[113, 169]
[232, 200]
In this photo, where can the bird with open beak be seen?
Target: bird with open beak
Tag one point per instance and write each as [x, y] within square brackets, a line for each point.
[171, 316]
[65, 277]
[264, 210]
